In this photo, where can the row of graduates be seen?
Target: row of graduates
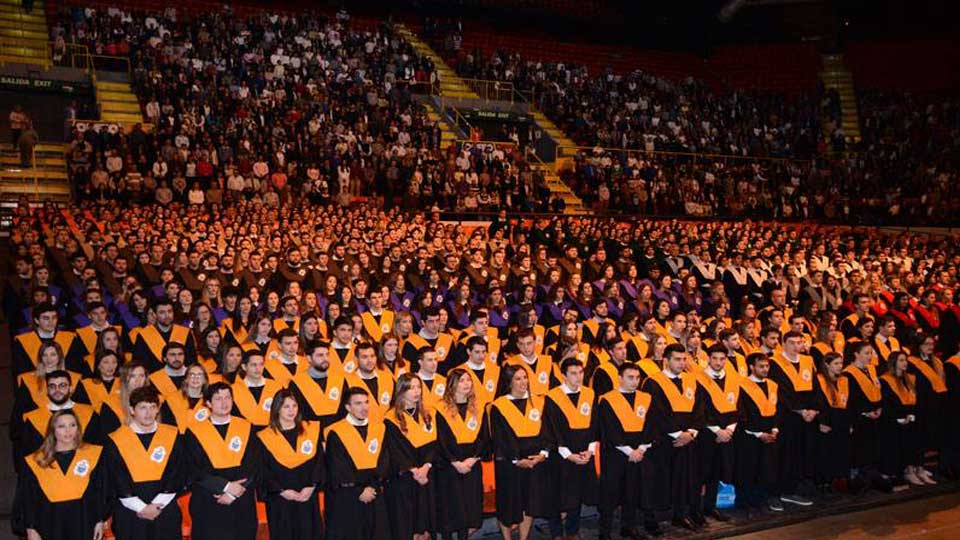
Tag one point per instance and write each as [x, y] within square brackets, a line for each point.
[682, 503]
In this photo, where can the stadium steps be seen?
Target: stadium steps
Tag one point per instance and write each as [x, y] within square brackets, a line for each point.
[836, 76]
[24, 36]
[118, 103]
[46, 180]
[451, 85]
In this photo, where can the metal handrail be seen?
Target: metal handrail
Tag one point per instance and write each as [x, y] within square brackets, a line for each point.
[562, 152]
[74, 51]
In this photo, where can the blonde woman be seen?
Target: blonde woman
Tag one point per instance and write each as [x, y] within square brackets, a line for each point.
[61, 490]
[115, 409]
[32, 385]
[412, 443]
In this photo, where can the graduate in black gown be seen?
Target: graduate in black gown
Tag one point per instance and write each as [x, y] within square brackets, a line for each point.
[292, 471]
[833, 423]
[412, 444]
[357, 468]
[463, 441]
[865, 408]
[720, 393]
[678, 418]
[951, 460]
[61, 485]
[899, 435]
[146, 473]
[569, 414]
[625, 472]
[756, 438]
[320, 389]
[224, 467]
[521, 447]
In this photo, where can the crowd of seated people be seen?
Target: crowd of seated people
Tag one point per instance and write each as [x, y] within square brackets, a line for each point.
[219, 289]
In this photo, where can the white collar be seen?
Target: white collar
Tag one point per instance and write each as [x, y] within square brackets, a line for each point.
[44, 335]
[295, 361]
[220, 422]
[568, 390]
[175, 372]
[622, 391]
[354, 421]
[141, 431]
[755, 379]
[337, 345]
[527, 360]
[263, 382]
[669, 374]
[791, 360]
[66, 405]
[424, 377]
[476, 367]
[425, 335]
[512, 398]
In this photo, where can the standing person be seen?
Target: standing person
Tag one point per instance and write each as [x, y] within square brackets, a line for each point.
[224, 467]
[320, 389]
[145, 460]
[899, 435]
[357, 468]
[253, 395]
[60, 488]
[756, 438]
[36, 423]
[186, 406]
[412, 444]
[626, 437]
[793, 372]
[678, 419]
[28, 140]
[931, 390]
[373, 378]
[569, 414]
[865, 407]
[520, 448]
[485, 374]
[720, 393]
[292, 468]
[951, 461]
[18, 122]
[462, 439]
[833, 423]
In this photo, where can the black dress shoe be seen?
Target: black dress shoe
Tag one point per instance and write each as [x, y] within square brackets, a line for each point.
[632, 534]
[718, 515]
[698, 521]
[684, 523]
[652, 529]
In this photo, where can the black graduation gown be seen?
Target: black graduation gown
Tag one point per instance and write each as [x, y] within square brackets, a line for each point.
[863, 437]
[716, 459]
[520, 491]
[25, 348]
[412, 508]
[316, 399]
[756, 461]
[623, 483]
[679, 482]
[126, 525]
[579, 482]
[832, 448]
[213, 521]
[347, 517]
[30, 438]
[67, 520]
[796, 439]
[900, 442]
[931, 422]
[460, 496]
[281, 469]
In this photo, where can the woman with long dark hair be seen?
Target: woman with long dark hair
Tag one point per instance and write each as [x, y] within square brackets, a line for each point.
[521, 446]
[833, 435]
[898, 434]
[412, 443]
[292, 470]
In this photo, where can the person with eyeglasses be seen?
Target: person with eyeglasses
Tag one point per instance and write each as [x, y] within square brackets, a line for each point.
[34, 425]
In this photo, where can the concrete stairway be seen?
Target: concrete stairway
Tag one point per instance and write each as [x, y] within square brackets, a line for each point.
[118, 103]
[451, 85]
[836, 76]
[23, 37]
[46, 180]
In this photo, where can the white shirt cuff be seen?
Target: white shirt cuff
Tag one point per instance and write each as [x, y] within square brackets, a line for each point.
[163, 499]
[645, 447]
[544, 453]
[134, 504]
[714, 428]
[675, 434]
[756, 434]
[564, 452]
[625, 449]
[732, 427]
[592, 448]
[693, 432]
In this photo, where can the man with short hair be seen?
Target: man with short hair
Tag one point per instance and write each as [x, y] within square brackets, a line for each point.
[540, 368]
[150, 340]
[357, 470]
[429, 336]
[283, 365]
[719, 393]
[319, 389]
[27, 436]
[377, 321]
[169, 379]
[377, 382]
[26, 346]
[756, 438]
[485, 374]
[253, 395]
